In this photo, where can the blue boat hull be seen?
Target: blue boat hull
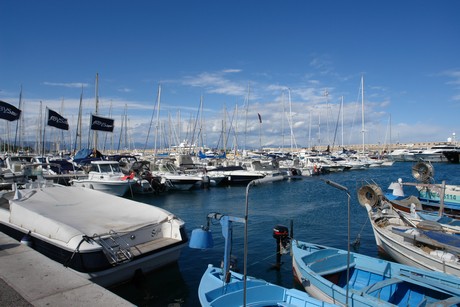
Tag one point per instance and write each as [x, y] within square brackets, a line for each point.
[322, 271]
[213, 291]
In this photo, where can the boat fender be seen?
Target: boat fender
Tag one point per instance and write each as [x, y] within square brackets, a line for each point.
[413, 232]
[27, 240]
[370, 194]
[445, 256]
[91, 187]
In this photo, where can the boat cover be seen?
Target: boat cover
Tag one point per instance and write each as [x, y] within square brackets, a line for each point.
[61, 213]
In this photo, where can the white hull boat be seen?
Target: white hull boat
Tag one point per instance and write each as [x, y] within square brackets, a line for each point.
[101, 237]
[412, 245]
[107, 177]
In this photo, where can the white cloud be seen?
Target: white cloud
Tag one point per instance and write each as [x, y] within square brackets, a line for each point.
[216, 83]
[70, 85]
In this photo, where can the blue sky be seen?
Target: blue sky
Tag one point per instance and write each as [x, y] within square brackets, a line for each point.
[214, 51]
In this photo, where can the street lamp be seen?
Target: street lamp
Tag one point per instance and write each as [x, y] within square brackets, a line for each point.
[201, 238]
[345, 189]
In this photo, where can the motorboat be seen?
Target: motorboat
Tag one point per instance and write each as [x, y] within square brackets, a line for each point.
[104, 238]
[105, 176]
[235, 175]
[174, 179]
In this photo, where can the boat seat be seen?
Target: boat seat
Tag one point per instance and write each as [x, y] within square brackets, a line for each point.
[319, 255]
[451, 301]
[332, 264]
[271, 294]
[232, 288]
[379, 285]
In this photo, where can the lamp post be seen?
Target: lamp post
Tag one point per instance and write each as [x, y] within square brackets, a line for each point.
[345, 189]
[201, 238]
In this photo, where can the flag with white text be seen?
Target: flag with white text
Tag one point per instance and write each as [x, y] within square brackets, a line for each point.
[57, 120]
[9, 112]
[101, 123]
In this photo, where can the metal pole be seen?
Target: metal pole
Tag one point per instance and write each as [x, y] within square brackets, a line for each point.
[342, 188]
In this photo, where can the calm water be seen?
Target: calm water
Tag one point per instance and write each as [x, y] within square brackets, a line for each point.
[318, 212]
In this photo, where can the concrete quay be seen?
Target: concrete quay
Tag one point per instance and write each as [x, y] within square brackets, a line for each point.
[27, 278]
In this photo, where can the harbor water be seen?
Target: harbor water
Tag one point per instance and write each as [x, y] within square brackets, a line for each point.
[318, 211]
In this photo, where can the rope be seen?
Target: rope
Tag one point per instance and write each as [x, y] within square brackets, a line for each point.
[357, 241]
[77, 249]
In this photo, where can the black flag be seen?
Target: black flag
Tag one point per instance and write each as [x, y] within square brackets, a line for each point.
[9, 112]
[56, 120]
[101, 123]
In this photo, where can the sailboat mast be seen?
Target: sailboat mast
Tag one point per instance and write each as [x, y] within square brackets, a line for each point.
[341, 106]
[39, 144]
[246, 120]
[290, 121]
[282, 122]
[97, 108]
[362, 108]
[158, 120]
[78, 134]
[18, 123]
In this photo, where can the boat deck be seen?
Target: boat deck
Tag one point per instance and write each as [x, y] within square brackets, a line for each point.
[152, 245]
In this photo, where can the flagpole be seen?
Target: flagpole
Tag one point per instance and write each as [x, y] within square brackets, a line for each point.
[260, 134]
[260, 131]
[17, 123]
[44, 130]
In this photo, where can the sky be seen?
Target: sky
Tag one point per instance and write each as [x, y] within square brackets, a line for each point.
[203, 71]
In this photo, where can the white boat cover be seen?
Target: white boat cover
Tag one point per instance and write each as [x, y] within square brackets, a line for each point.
[61, 213]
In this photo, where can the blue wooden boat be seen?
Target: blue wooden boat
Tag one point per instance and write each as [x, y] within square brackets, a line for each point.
[323, 272]
[221, 286]
[213, 291]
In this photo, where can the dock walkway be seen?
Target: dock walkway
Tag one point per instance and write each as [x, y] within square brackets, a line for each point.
[27, 278]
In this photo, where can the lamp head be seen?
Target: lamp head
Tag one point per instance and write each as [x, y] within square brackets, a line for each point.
[201, 238]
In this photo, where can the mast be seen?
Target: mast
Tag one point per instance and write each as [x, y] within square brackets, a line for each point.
[328, 134]
[78, 133]
[18, 123]
[97, 108]
[341, 107]
[246, 119]
[362, 108]
[39, 144]
[158, 119]
[282, 122]
[290, 120]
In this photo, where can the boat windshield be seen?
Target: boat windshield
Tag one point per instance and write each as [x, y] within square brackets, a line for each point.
[106, 168]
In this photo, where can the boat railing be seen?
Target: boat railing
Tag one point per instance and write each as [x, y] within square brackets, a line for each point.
[115, 248]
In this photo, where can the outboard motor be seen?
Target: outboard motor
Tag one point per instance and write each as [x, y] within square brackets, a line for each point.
[283, 242]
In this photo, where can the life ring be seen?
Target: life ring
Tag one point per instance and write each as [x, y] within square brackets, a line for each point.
[369, 194]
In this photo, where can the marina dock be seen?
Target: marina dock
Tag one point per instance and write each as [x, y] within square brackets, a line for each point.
[27, 278]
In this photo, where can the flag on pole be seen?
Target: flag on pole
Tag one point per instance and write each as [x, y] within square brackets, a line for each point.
[57, 120]
[260, 118]
[101, 123]
[9, 112]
